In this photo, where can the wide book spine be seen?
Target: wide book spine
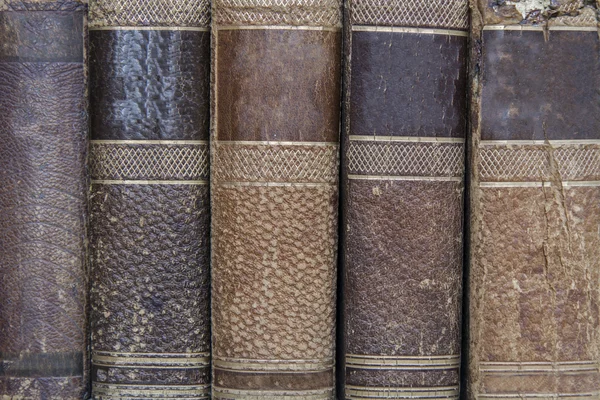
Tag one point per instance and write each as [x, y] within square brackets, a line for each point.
[535, 202]
[405, 97]
[43, 150]
[149, 205]
[274, 187]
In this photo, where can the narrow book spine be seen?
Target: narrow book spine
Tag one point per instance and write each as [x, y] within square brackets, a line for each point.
[274, 185]
[43, 151]
[402, 211]
[535, 202]
[149, 243]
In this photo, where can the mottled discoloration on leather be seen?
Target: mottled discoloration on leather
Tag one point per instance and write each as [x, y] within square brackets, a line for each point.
[533, 12]
[43, 5]
[42, 207]
[302, 106]
[149, 84]
[274, 204]
[407, 84]
[520, 103]
[534, 250]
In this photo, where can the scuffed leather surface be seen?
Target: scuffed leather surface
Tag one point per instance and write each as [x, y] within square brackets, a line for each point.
[273, 275]
[536, 89]
[42, 219]
[402, 290]
[43, 5]
[406, 84]
[149, 251]
[299, 106]
[148, 84]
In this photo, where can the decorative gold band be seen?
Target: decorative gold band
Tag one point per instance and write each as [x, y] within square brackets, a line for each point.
[148, 161]
[402, 362]
[150, 360]
[541, 396]
[399, 29]
[406, 159]
[277, 366]
[277, 27]
[137, 391]
[539, 367]
[564, 184]
[322, 394]
[540, 28]
[267, 164]
[432, 393]
[151, 28]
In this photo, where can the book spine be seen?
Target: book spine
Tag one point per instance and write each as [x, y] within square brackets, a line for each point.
[535, 201]
[274, 187]
[403, 141]
[150, 214]
[43, 151]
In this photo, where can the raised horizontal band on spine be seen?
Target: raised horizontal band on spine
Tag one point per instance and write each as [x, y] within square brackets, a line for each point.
[405, 178]
[277, 27]
[321, 394]
[538, 142]
[273, 143]
[404, 29]
[545, 367]
[150, 28]
[373, 392]
[545, 396]
[538, 184]
[249, 365]
[402, 362]
[539, 28]
[150, 391]
[419, 139]
[148, 182]
[147, 360]
[175, 142]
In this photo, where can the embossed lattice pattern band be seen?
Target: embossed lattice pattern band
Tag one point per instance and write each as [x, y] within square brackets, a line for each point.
[190, 13]
[293, 163]
[534, 163]
[413, 13]
[406, 159]
[278, 12]
[110, 161]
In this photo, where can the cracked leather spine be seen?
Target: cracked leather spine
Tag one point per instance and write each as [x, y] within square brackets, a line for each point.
[149, 204]
[44, 135]
[274, 187]
[534, 328]
[403, 138]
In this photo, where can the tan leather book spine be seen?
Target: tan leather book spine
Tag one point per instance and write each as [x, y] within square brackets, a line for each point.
[274, 187]
[534, 328]
[43, 208]
[150, 213]
[403, 143]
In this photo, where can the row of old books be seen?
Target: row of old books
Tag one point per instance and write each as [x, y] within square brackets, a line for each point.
[214, 167]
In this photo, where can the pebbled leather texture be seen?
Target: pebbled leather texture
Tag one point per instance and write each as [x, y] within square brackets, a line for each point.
[405, 97]
[43, 209]
[535, 248]
[150, 210]
[274, 191]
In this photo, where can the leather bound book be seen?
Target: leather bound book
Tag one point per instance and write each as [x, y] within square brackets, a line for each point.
[274, 189]
[402, 208]
[150, 214]
[535, 202]
[43, 152]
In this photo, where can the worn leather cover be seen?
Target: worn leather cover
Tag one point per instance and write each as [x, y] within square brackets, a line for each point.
[402, 177]
[274, 185]
[534, 329]
[149, 241]
[43, 151]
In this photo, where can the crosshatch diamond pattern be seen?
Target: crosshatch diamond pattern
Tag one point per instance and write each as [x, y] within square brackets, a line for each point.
[533, 163]
[278, 12]
[149, 161]
[276, 163]
[406, 159]
[451, 14]
[186, 13]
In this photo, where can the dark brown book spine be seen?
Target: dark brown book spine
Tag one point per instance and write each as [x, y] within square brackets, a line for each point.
[43, 150]
[149, 86]
[402, 188]
[274, 186]
[535, 202]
